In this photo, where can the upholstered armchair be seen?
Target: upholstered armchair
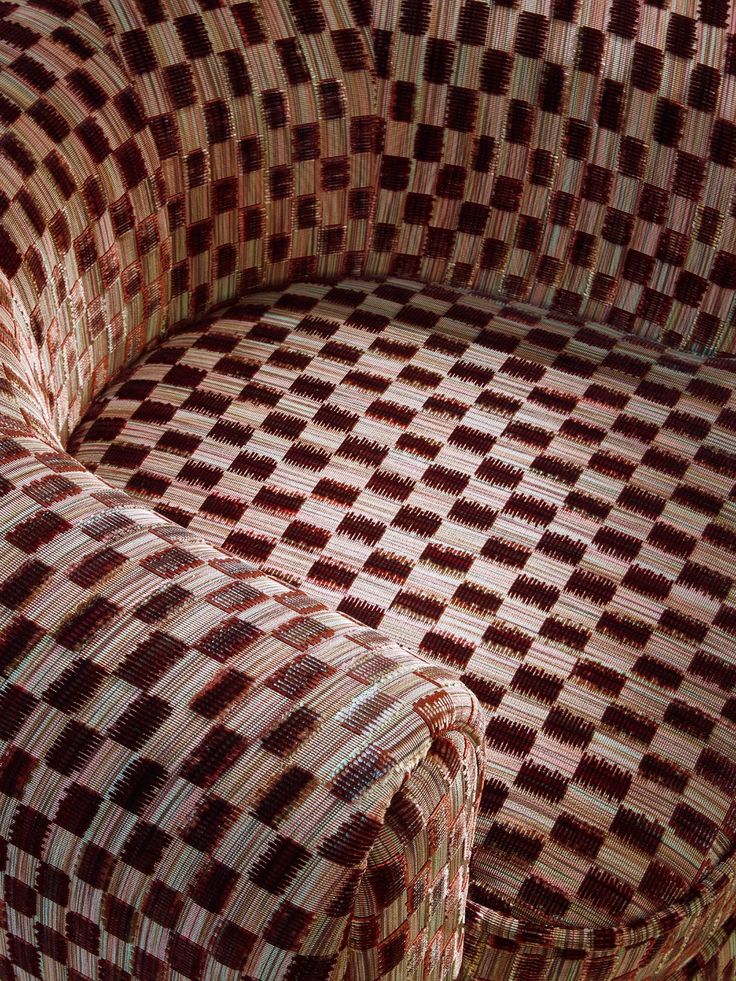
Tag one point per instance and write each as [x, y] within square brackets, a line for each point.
[367, 468]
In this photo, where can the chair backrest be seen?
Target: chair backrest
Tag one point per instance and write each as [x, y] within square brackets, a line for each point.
[572, 154]
[161, 157]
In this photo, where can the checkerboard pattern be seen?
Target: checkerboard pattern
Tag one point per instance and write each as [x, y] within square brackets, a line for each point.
[575, 155]
[544, 507]
[205, 773]
[339, 525]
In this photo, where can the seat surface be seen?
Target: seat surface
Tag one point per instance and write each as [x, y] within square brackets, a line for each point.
[547, 507]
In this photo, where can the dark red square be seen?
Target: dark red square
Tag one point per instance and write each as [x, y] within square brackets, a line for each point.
[53, 884]
[213, 886]
[140, 720]
[187, 958]
[220, 749]
[83, 932]
[162, 904]
[74, 748]
[77, 809]
[19, 896]
[287, 927]
[145, 847]
[233, 946]
[120, 918]
[23, 956]
[213, 819]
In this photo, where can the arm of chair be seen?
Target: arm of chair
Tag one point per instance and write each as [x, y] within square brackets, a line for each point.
[203, 771]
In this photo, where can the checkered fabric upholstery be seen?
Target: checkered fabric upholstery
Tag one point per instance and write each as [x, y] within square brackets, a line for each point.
[204, 774]
[574, 154]
[216, 762]
[546, 508]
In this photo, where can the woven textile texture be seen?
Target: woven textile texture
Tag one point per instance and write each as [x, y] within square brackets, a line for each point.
[204, 774]
[576, 155]
[542, 507]
[350, 570]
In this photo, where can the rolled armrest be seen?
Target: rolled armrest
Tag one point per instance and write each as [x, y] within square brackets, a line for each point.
[204, 773]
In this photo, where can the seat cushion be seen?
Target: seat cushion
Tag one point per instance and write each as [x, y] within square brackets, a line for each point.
[546, 506]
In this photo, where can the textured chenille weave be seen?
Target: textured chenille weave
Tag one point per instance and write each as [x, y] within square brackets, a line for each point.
[216, 761]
